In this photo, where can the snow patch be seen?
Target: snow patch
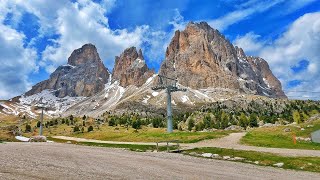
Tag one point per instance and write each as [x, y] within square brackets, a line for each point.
[68, 65]
[47, 99]
[266, 82]
[155, 94]
[185, 98]
[22, 138]
[145, 100]
[150, 79]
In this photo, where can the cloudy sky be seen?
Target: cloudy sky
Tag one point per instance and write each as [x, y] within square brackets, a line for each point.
[36, 36]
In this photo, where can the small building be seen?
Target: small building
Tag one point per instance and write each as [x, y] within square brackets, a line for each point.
[315, 136]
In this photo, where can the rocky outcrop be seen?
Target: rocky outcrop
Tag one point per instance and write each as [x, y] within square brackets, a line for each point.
[130, 68]
[84, 75]
[201, 57]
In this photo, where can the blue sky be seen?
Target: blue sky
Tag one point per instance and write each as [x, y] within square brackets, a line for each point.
[37, 36]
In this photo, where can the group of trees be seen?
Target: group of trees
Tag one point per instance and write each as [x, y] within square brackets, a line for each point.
[217, 115]
[134, 120]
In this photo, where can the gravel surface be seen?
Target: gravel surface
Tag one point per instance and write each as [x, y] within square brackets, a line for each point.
[232, 141]
[67, 161]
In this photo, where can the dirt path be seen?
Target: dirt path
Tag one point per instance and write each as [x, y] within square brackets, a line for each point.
[232, 141]
[67, 161]
[100, 141]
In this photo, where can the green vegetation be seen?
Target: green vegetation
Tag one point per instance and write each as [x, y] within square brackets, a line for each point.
[218, 115]
[90, 128]
[28, 128]
[264, 159]
[148, 135]
[278, 138]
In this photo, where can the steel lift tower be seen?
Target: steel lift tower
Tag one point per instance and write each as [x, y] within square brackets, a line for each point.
[41, 119]
[170, 85]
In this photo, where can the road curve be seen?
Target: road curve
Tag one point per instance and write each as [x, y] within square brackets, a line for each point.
[67, 161]
[232, 141]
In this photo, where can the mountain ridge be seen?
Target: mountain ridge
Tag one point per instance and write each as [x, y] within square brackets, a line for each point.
[200, 57]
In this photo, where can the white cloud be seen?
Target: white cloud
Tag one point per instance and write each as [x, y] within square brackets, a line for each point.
[76, 24]
[300, 41]
[16, 63]
[246, 10]
[249, 8]
[294, 5]
[250, 42]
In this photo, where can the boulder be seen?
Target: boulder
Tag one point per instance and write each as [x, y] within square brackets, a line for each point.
[207, 155]
[280, 164]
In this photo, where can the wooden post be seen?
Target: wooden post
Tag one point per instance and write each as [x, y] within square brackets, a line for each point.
[178, 146]
[157, 147]
[294, 138]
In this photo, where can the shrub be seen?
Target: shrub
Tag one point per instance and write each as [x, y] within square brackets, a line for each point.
[253, 120]
[190, 124]
[90, 128]
[28, 128]
[296, 117]
[136, 124]
[112, 122]
[243, 120]
[76, 129]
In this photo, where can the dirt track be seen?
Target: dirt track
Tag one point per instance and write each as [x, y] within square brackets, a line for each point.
[231, 141]
[67, 161]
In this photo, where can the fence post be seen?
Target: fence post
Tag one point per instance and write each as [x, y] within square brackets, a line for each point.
[157, 147]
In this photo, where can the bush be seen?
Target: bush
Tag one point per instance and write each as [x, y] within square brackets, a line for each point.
[28, 128]
[38, 124]
[243, 120]
[112, 122]
[136, 124]
[253, 120]
[190, 124]
[90, 128]
[200, 126]
[76, 129]
[296, 117]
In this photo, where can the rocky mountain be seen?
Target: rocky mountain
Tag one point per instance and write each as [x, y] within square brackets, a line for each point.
[201, 57]
[84, 75]
[130, 68]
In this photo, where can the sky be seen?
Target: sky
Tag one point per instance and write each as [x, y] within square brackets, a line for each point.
[36, 36]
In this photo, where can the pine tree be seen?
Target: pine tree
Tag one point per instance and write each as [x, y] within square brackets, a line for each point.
[190, 124]
[253, 120]
[296, 117]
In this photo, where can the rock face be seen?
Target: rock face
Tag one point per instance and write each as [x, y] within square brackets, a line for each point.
[130, 68]
[84, 75]
[201, 57]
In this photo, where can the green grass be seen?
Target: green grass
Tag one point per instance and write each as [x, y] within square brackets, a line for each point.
[132, 147]
[149, 135]
[265, 159]
[277, 138]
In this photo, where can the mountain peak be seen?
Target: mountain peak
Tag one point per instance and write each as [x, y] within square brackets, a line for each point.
[86, 54]
[130, 68]
[201, 57]
[84, 75]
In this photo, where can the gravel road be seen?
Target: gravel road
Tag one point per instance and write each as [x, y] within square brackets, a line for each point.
[67, 161]
[232, 141]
